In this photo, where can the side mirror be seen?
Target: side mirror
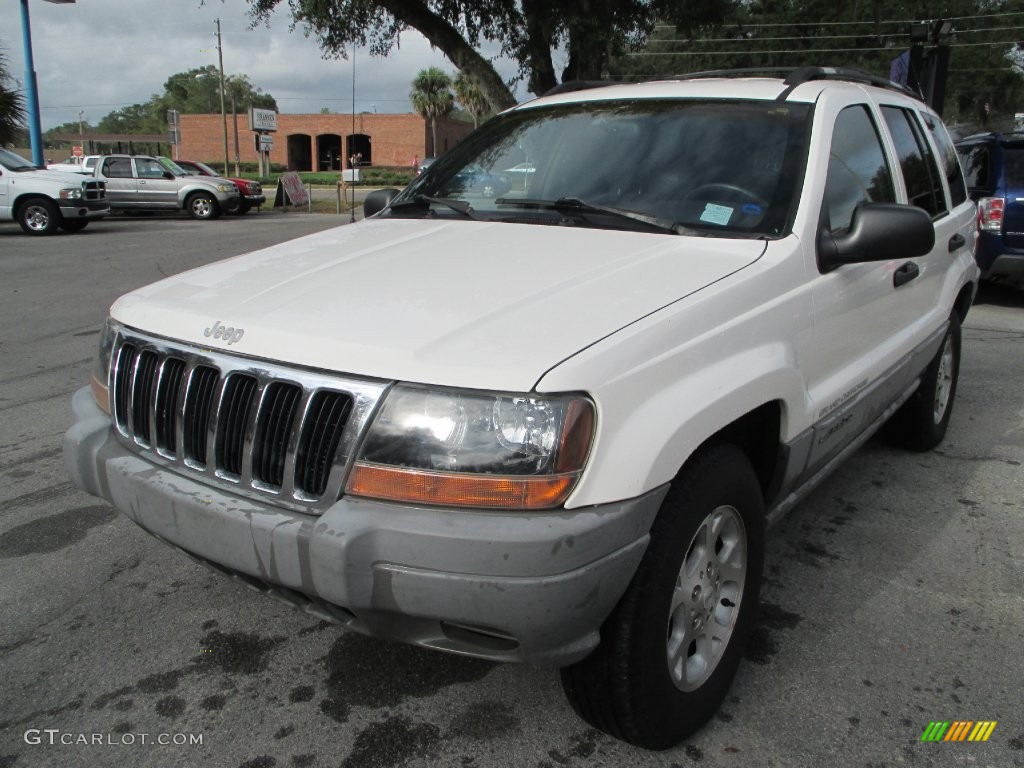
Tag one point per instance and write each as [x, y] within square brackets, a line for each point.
[377, 201]
[877, 232]
[168, 175]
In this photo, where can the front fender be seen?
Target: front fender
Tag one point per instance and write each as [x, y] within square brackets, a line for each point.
[641, 447]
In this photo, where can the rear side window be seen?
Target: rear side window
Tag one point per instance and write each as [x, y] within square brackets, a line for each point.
[117, 168]
[948, 160]
[920, 172]
[1013, 162]
[977, 161]
[857, 170]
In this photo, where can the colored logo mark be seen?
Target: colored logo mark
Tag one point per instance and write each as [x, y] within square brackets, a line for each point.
[958, 730]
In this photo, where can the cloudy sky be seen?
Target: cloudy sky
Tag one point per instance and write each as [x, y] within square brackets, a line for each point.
[96, 56]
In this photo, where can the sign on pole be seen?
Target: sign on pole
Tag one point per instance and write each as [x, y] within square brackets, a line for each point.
[262, 119]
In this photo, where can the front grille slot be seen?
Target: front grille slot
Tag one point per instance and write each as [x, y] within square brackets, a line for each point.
[167, 393]
[196, 419]
[273, 429]
[142, 395]
[261, 430]
[234, 415]
[320, 437]
[123, 369]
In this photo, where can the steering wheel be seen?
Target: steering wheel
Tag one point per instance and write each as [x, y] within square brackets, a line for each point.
[731, 192]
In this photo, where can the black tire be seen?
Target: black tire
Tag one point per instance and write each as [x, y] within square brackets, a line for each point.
[921, 423]
[202, 206]
[625, 687]
[39, 216]
[74, 225]
[243, 208]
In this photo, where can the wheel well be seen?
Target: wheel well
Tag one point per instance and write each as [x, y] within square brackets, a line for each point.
[964, 300]
[28, 197]
[756, 433]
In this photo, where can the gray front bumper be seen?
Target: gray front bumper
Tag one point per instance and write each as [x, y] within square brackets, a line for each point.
[84, 209]
[506, 586]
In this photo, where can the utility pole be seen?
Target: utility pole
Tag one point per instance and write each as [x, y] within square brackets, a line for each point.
[223, 110]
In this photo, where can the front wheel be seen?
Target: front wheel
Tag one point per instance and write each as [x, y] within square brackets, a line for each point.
[202, 205]
[39, 216]
[670, 649]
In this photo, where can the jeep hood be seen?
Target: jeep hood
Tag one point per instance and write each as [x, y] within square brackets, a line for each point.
[474, 304]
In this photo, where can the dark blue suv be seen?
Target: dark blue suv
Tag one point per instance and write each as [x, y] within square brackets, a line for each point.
[994, 169]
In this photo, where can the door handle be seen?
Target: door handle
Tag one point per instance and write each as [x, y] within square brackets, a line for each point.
[905, 274]
[956, 242]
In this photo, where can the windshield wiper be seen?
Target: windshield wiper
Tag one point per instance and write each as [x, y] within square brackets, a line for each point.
[574, 204]
[459, 206]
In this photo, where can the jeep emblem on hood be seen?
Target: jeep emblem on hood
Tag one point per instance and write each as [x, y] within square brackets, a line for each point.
[230, 335]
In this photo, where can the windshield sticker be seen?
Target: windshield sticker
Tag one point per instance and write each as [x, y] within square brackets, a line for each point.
[716, 214]
[751, 209]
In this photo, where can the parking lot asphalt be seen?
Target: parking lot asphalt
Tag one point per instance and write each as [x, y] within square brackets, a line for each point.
[894, 593]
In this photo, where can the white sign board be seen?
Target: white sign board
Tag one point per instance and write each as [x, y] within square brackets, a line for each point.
[264, 143]
[262, 119]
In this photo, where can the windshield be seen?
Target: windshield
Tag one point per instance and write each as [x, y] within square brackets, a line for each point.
[174, 168]
[15, 162]
[729, 168]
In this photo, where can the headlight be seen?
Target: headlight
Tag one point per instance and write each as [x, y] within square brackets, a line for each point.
[101, 368]
[72, 193]
[227, 187]
[509, 451]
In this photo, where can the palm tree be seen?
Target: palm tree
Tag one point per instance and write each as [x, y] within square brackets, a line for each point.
[12, 107]
[471, 98]
[432, 98]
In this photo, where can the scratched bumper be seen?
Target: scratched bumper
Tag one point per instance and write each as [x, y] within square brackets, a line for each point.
[510, 587]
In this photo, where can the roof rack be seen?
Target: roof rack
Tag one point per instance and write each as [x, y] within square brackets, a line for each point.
[578, 85]
[794, 76]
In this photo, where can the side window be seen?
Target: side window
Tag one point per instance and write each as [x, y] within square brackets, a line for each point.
[857, 171]
[948, 159]
[976, 165]
[149, 169]
[117, 168]
[920, 173]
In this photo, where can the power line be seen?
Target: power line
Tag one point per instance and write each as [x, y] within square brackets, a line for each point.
[882, 36]
[767, 25]
[762, 52]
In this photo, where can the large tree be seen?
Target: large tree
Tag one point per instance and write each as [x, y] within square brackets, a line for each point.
[196, 91]
[533, 32]
[12, 107]
[431, 97]
[868, 35]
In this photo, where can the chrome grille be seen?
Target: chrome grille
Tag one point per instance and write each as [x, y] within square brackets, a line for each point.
[261, 430]
[94, 190]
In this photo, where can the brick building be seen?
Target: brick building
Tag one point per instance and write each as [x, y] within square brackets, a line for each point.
[319, 142]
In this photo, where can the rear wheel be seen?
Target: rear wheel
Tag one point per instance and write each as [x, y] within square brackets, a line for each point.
[74, 225]
[671, 647]
[921, 423]
[39, 216]
[202, 205]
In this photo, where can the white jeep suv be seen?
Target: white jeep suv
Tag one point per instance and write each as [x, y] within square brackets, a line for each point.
[550, 424]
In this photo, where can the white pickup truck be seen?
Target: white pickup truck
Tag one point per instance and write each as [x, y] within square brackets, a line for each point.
[551, 423]
[43, 201]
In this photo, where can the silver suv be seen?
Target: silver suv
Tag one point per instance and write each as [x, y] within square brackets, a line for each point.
[140, 182]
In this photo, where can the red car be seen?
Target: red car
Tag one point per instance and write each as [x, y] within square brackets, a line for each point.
[251, 192]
